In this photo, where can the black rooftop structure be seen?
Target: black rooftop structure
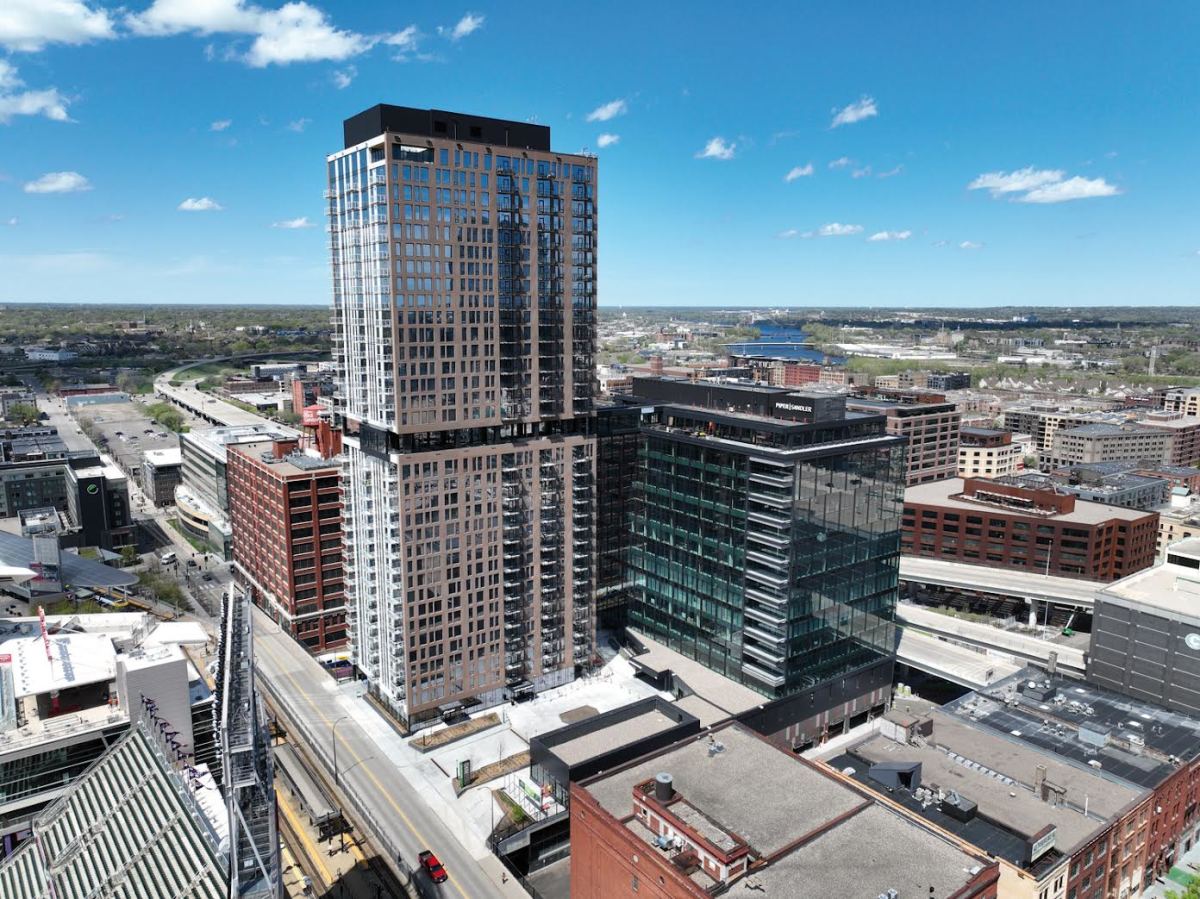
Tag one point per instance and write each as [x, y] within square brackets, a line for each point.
[442, 124]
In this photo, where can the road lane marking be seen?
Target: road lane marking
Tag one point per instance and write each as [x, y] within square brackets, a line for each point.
[358, 761]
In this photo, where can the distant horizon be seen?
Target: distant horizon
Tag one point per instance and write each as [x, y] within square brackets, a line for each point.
[603, 305]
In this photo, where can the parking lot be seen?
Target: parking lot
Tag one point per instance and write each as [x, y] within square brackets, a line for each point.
[125, 432]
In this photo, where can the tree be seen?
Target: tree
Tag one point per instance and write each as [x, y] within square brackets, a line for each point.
[1191, 891]
[23, 412]
[129, 554]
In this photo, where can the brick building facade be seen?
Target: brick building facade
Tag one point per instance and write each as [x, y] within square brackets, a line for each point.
[984, 523]
[286, 512]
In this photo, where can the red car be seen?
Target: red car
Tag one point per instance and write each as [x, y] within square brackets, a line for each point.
[432, 866]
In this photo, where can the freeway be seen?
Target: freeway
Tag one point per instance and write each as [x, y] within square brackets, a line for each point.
[209, 407]
[973, 633]
[369, 778]
[1005, 582]
[957, 664]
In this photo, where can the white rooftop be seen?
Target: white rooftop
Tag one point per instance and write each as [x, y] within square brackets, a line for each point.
[1172, 586]
[163, 457]
[73, 660]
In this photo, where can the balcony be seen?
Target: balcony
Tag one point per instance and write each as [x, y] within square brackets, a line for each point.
[765, 577]
[762, 675]
[766, 617]
[772, 639]
[766, 559]
[775, 521]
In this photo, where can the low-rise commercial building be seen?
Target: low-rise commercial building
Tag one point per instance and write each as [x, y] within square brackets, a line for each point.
[727, 812]
[15, 396]
[1096, 484]
[1078, 791]
[929, 424]
[1039, 530]
[987, 453]
[285, 508]
[1184, 431]
[1043, 420]
[1090, 443]
[202, 498]
[162, 472]
[1185, 400]
[1146, 632]
[1177, 522]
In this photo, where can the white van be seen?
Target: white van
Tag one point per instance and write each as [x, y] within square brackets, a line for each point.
[167, 558]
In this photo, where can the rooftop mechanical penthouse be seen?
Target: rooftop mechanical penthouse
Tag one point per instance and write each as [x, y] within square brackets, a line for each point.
[463, 254]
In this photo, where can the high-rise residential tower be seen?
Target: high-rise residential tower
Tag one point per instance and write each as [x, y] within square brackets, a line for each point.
[464, 292]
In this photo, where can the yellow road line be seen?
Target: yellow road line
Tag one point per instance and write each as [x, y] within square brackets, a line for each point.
[357, 761]
[309, 846]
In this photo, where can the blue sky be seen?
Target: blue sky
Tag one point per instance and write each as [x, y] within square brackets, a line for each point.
[942, 153]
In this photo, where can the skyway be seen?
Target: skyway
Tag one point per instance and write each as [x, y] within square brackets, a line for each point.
[999, 581]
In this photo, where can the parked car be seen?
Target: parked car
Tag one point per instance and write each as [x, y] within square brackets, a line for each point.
[432, 866]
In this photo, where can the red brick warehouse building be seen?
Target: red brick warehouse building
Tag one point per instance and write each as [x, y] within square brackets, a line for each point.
[286, 510]
[985, 522]
[728, 813]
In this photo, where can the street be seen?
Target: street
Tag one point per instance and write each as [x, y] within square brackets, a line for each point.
[402, 820]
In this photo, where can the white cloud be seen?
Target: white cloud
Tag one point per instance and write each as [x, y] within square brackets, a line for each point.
[1028, 178]
[841, 162]
[607, 140]
[295, 32]
[855, 112]
[468, 24]
[343, 77]
[167, 17]
[58, 183]
[788, 234]
[1072, 189]
[299, 124]
[202, 204]
[891, 172]
[836, 229]
[48, 102]
[13, 222]
[220, 124]
[800, 171]
[1042, 185]
[861, 173]
[609, 110]
[879, 236]
[29, 25]
[404, 39]
[717, 149]
[970, 245]
[301, 222]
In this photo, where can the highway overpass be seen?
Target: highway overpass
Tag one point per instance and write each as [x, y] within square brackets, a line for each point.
[957, 664]
[986, 636]
[1064, 591]
[204, 405]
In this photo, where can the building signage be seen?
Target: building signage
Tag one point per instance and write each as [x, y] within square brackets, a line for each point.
[1042, 843]
[1193, 642]
[794, 407]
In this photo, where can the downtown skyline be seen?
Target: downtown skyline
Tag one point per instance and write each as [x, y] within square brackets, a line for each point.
[173, 151]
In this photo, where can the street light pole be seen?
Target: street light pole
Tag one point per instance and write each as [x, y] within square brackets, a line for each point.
[341, 815]
[333, 739]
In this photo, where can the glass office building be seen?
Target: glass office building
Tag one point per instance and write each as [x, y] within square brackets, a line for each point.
[765, 549]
